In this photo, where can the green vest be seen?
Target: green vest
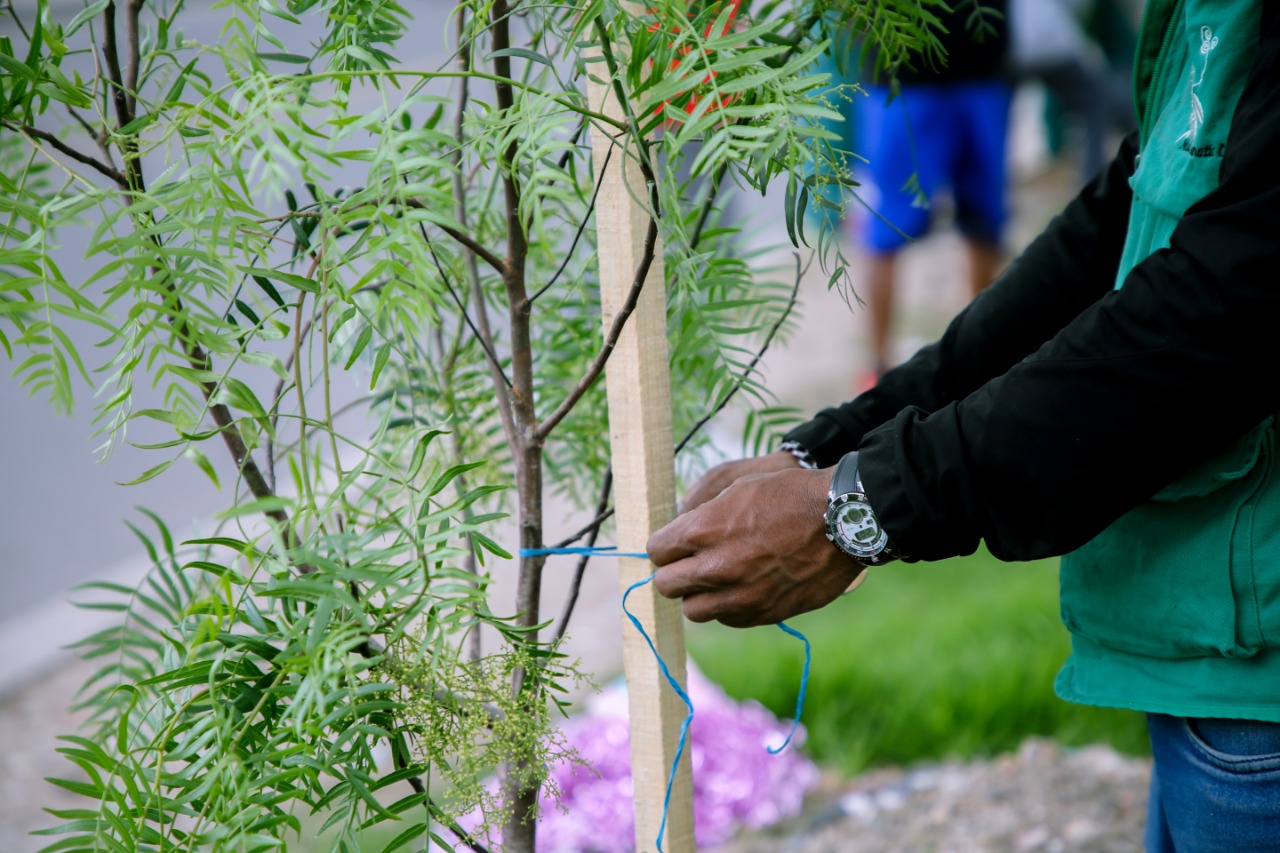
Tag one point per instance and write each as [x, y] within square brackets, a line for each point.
[1175, 608]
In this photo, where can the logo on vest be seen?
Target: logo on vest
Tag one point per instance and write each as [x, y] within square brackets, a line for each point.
[1208, 41]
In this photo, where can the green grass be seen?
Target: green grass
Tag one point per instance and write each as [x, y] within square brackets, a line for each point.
[923, 661]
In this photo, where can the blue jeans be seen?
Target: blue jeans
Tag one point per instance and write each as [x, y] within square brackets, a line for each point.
[1215, 785]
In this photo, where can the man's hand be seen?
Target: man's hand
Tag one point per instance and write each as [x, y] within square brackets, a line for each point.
[724, 475]
[756, 554]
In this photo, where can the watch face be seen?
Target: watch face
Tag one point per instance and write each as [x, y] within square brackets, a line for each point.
[855, 529]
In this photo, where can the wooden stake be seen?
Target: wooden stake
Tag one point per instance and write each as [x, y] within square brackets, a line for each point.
[638, 383]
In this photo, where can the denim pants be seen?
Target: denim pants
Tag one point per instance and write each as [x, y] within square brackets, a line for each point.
[1215, 785]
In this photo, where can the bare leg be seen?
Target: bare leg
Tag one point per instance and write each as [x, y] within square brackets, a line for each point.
[881, 269]
[985, 262]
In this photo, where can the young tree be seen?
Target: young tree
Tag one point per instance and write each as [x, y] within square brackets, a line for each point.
[284, 203]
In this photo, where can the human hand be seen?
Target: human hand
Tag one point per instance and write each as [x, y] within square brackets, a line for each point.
[726, 474]
[754, 555]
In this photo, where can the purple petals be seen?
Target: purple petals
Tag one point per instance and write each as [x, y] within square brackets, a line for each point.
[737, 783]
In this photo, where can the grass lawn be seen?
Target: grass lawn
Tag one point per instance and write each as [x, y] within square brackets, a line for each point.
[922, 661]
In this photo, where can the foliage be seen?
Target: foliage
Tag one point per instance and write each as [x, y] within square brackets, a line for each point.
[949, 659]
[288, 211]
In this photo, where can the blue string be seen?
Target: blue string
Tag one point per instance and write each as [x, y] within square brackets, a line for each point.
[612, 551]
[804, 684]
[684, 697]
[603, 550]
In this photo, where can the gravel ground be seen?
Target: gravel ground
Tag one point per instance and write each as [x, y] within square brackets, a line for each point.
[1042, 798]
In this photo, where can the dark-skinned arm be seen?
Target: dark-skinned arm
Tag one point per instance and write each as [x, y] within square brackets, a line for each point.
[1071, 265]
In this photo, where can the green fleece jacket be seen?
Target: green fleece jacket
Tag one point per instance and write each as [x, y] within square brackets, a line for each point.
[1170, 607]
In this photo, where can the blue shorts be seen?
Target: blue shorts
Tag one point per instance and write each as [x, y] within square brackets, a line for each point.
[951, 136]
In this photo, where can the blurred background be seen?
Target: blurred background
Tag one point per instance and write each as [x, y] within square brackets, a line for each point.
[925, 662]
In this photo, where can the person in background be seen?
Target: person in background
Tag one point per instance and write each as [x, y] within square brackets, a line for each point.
[1112, 398]
[935, 127]
[1048, 44]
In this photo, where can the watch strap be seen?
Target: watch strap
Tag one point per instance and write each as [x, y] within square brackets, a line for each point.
[846, 478]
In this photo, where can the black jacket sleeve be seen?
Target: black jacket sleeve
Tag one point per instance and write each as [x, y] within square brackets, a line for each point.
[1144, 383]
[1066, 269]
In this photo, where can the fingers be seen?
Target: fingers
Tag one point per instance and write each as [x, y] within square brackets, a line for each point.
[672, 542]
[699, 573]
[719, 478]
[708, 487]
[706, 607]
[696, 530]
[706, 597]
[753, 555]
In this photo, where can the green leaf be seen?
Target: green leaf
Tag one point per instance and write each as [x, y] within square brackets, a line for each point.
[291, 58]
[16, 66]
[420, 452]
[268, 360]
[218, 570]
[261, 505]
[379, 362]
[247, 311]
[202, 462]
[288, 278]
[489, 545]
[180, 83]
[93, 10]
[522, 53]
[405, 837]
[137, 124]
[149, 474]
[269, 289]
[447, 477]
[235, 393]
[362, 341]
[789, 208]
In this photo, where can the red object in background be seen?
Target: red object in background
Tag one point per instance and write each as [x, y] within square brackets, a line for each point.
[734, 5]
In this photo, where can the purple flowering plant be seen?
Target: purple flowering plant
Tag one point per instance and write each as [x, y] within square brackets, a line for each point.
[586, 807]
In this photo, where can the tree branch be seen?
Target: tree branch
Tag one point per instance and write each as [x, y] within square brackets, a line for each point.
[400, 760]
[132, 11]
[521, 797]
[513, 277]
[601, 506]
[586, 529]
[610, 340]
[62, 148]
[114, 78]
[194, 354]
[791, 304]
[483, 329]
[463, 838]
[494, 364]
[98, 136]
[582, 226]
[466, 240]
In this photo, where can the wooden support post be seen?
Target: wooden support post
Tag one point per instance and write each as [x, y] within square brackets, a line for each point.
[638, 383]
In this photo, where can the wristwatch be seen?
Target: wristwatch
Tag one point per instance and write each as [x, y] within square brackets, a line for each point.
[851, 523]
